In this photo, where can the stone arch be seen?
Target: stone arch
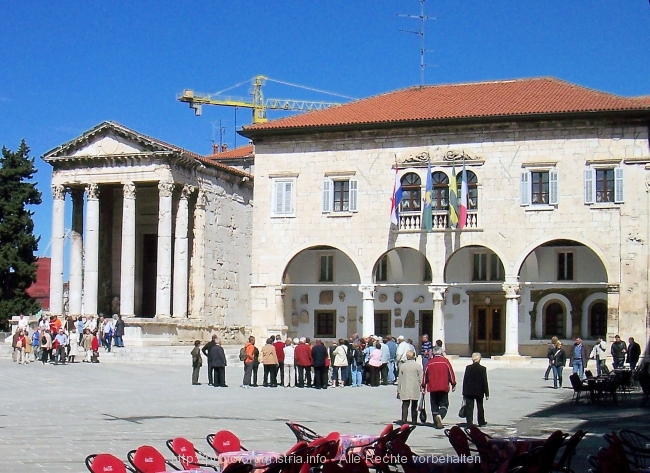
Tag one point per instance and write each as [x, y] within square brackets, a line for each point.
[541, 305]
[519, 262]
[494, 249]
[306, 246]
[396, 263]
[586, 305]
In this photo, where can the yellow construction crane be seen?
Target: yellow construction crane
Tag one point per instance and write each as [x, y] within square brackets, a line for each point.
[258, 105]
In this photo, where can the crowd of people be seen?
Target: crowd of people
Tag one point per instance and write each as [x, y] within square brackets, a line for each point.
[57, 340]
[372, 361]
[579, 355]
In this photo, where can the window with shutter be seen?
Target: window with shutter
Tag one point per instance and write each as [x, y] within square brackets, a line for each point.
[619, 194]
[590, 185]
[553, 191]
[524, 193]
[354, 195]
[327, 195]
[283, 197]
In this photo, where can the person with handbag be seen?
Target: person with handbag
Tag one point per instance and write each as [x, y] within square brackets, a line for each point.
[559, 360]
[408, 386]
[475, 386]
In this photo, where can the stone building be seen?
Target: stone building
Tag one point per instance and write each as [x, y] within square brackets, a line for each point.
[157, 234]
[556, 241]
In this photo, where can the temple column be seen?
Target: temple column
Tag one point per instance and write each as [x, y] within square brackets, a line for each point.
[164, 267]
[438, 316]
[91, 259]
[368, 292]
[76, 254]
[58, 244]
[127, 266]
[197, 268]
[180, 254]
[613, 300]
[512, 318]
[279, 306]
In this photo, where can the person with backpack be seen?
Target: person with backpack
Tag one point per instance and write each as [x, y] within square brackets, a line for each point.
[356, 366]
[36, 342]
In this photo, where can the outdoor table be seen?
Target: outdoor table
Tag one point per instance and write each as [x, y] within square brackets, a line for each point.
[353, 443]
[256, 458]
[504, 449]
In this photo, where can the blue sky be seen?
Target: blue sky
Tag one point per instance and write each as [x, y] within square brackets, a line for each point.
[69, 65]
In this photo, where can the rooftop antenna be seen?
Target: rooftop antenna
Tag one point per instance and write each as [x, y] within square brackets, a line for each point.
[422, 17]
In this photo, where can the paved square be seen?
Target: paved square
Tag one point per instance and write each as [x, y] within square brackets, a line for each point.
[53, 416]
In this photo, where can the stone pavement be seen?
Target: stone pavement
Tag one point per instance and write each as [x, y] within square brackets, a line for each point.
[53, 416]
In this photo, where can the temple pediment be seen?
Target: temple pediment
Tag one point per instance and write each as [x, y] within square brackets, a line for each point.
[110, 140]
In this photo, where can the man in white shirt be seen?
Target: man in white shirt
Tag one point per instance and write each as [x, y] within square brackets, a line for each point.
[402, 348]
[23, 323]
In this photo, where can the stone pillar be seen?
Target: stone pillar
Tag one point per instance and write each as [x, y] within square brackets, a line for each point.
[613, 298]
[91, 259]
[164, 269]
[197, 268]
[180, 254]
[58, 244]
[438, 329]
[368, 291]
[127, 265]
[279, 307]
[512, 318]
[76, 254]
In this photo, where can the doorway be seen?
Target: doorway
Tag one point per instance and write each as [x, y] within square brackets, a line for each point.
[149, 274]
[382, 322]
[426, 324]
[489, 333]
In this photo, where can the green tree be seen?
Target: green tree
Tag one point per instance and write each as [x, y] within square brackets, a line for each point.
[17, 241]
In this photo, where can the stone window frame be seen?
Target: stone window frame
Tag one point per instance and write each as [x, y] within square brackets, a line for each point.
[558, 254]
[591, 180]
[545, 332]
[526, 186]
[590, 324]
[328, 194]
[328, 277]
[383, 313]
[284, 180]
[329, 323]
[490, 256]
[381, 269]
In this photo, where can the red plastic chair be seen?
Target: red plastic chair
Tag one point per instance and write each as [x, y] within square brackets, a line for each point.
[225, 441]
[239, 467]
[102, 462]
[293, 461]
[458, 440]
[147, 459]
[387, 430]
[186, 454]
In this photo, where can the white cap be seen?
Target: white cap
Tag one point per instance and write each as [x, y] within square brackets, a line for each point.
[401, 337]
[296, 341]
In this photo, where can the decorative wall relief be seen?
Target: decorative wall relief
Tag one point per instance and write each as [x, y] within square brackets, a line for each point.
[341, 296]
[293, 304]
[304, 299]
[341, 319]
[398, 312]
[294, 319]
[326, 297]
[455, 299]
[409, 321]
[398, 297]
[398, 323]
[361, 319]
[419, 300]
[383, 297]
[304, 317]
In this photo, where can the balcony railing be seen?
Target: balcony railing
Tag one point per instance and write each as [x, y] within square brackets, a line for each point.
[412, 221]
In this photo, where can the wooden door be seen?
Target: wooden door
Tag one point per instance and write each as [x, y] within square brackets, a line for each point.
[489, 333]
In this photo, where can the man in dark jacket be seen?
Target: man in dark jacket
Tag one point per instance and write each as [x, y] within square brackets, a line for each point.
[475, 386]
[206, 351]
[633, 353]
[618, 350]
[218, 363]
[119, 332]
[319, 355]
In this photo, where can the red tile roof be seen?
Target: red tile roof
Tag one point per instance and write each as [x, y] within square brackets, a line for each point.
[240, 152]
[478, 101]
[643, 99]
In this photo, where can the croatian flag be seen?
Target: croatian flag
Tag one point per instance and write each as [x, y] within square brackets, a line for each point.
[396, 200]
[462, 218]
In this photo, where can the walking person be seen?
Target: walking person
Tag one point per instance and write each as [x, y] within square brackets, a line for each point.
[599, 354]
[197, 361]
[633, 353]
[618, 350]
[87, 345]
[28, 347]
[19, 348]
[408, 386]
[61, 343]
[217, 364]
[36, 344]
[426, 350]
[437, 379]
[579, 358]
[559, 360]
[46, 346]
[549, 355]
[73, 344]
[475, 386]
